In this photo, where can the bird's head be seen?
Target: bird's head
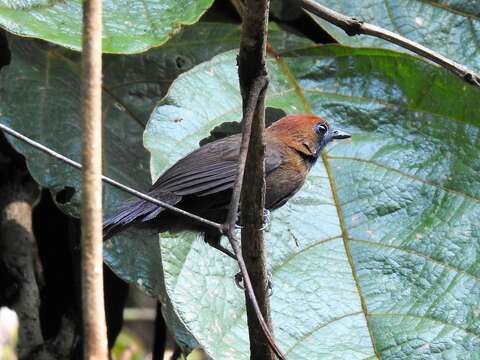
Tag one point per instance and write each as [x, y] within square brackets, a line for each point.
[308, 134]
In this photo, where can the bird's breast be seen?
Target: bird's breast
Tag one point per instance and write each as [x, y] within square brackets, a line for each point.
[286, 180]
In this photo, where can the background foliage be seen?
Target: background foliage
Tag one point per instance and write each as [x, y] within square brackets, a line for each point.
[376, 257]
[128, 27]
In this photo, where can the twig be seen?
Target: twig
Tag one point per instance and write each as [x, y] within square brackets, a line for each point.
[264, 327]
[253, 244]
[108, 180]
[249, 112]
[353, 26]
[229, 226]
[253, 84]
[93, 307]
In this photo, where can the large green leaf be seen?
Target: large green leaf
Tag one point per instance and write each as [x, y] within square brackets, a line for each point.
[451, 28]
[378, 255]
[128, 26]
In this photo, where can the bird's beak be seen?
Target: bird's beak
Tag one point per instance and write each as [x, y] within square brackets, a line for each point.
[338, 134]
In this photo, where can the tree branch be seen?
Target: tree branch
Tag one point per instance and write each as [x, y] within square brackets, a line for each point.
[251, 66]
[93, 307]
[229, 226]
[253, 85]
[250, 104]
[353, 26]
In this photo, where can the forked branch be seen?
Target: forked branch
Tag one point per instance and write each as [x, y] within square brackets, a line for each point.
[251, 175]
[353, 26]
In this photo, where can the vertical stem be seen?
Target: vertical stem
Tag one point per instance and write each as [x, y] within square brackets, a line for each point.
[251, 63]
[18, 259]
[253, 247]
[94, 327]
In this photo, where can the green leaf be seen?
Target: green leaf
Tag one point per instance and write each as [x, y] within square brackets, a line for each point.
[128, 27]
[378, 254]
[452, 28]
[40, 96]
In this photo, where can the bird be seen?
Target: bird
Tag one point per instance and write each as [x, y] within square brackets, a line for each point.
[202, 182]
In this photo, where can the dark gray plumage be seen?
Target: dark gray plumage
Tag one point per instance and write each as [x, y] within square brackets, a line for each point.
[202, 181]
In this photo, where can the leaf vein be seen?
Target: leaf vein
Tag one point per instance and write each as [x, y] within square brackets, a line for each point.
[400, 172]
[416, 253]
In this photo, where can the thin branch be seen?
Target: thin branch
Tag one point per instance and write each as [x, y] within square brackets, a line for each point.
[253, 243]
[93, 306]
[353, 26]
[229, 226]
[108, 180]
[249, 112]
[253, 85]
[251, 297]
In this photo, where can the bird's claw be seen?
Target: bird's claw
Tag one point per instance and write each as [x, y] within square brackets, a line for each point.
[269, 283]
[238, 225]
[265, 221]
[239, 282]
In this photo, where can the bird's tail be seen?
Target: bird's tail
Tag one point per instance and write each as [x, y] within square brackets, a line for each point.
[135, 213]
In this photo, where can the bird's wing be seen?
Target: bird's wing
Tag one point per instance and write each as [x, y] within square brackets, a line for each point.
[206, 169]
[209, 169]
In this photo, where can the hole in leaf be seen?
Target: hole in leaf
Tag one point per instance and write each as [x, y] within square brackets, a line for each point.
[65, 195]
[182, 63]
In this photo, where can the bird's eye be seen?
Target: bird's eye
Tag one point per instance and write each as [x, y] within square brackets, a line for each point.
[320, 129]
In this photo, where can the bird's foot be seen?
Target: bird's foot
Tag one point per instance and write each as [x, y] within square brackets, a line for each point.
[239, 282]
[269, 283]
[238, 223]
[265, 221]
